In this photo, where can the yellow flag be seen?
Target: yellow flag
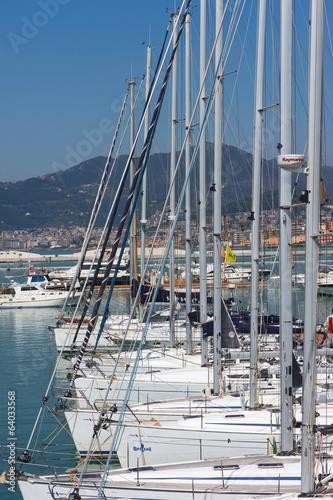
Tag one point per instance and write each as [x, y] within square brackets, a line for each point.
[230, 256]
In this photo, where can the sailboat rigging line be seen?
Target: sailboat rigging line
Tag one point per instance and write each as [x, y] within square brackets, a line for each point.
[105, 226]
[25, 457]
[118, 263]
[48, 440]
[98, 201]
[107, 221]
[190, 124]
[137, 176]
[150, 93]
[159, 61]
[227, 118]
[212, 52]
[151, 131]
[105, 315]
[132, 212]
[109, 298]
[151, 87]
[89, 230]
[167, 248]
[123, 247]
[106, 234]
[140, 286]
[191, 121]
[328, 32]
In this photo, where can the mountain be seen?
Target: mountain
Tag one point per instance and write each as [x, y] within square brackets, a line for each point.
[66, 197]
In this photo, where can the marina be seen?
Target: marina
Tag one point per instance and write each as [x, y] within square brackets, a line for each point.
[19, 328]
[134, 370]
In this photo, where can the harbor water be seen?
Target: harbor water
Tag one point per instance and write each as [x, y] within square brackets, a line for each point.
[28, 358]
[27, 361]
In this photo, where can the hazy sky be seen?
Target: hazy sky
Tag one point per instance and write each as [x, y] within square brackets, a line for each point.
[64, 70]
[65, 64]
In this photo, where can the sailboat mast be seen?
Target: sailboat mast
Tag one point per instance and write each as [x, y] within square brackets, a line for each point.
[286, 309]
[173, 187]
[217, 200]
[144, 179]
[202, 183]
[188, 276]
[255, 214]
[133, 248]
[311, 241]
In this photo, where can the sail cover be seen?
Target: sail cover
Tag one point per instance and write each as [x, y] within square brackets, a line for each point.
[229, 337]
[297, 374]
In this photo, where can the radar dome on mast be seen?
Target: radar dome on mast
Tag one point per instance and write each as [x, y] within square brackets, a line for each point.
[292, 162]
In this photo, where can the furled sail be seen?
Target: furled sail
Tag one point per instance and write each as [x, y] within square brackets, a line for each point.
[229, 337]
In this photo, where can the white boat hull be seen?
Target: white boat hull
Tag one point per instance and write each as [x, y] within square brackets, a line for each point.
[238, 478]
[155, 441]
[49, 299]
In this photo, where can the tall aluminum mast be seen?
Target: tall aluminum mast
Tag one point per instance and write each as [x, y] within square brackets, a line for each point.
[144, 180]
[311, 242]
[173, 187]
[217, 200]
[255, 214]
[188, 275]
[286, 298]
[202, 183]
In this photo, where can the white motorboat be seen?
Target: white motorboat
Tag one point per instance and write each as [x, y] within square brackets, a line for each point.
[88, 270]
[16, 296]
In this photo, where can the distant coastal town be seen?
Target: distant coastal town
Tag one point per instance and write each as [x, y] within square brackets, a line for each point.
[236, 232]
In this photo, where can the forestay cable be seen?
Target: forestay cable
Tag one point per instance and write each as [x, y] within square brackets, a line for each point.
[114, 249]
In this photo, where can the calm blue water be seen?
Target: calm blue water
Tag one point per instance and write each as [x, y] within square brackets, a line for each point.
[28, 356]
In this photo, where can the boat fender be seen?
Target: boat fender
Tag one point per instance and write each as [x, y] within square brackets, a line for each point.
[271, 444]
[208, 391]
